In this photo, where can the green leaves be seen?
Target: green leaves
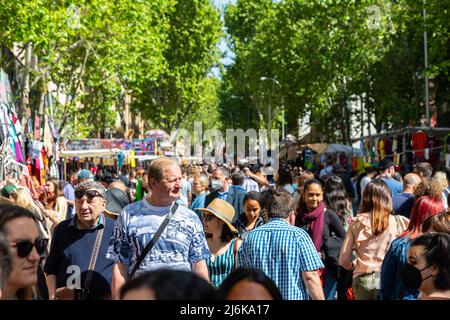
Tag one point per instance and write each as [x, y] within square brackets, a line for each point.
[323, 53]
[158, 51]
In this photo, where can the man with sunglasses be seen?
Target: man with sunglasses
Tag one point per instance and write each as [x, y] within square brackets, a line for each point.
[72, 249]
[181, 246]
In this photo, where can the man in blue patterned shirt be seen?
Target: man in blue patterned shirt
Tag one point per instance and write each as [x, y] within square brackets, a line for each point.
[182, 245]
[282, 251]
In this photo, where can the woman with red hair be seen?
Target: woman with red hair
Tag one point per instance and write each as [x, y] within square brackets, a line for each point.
[392, 287]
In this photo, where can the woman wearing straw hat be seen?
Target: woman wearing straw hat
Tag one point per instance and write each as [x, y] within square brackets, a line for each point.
[222, 242]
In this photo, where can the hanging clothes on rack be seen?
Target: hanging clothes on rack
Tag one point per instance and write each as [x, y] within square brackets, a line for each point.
[433, 147]
[419, 142]
[396, 154]
[388, 148]
[48, 140]
[382, 148]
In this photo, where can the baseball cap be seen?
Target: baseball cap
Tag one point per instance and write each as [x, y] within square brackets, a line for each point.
[85, 174]
[7, 190]
[90, 185]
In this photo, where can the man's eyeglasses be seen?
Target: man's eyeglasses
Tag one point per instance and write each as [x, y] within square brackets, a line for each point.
[90, 194]
[173, 180]
[207, 217]
[24, 247]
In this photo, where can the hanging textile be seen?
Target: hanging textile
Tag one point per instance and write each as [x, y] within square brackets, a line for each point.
[133, 160]
[381, 148]
[362, 146]
[433, 144]
[37, 128]
[419, 142]
[120, 158]
[376, 154]
[396, 154]
[48, 139]
[367, 148]
[388, 145]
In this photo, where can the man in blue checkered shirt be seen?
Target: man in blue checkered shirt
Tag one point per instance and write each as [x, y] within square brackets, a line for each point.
[282, 251]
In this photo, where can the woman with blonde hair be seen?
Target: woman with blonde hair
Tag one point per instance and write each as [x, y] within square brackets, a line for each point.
[369, 237]
[22, 198]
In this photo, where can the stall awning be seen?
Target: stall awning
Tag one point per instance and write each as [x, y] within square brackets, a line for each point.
[323, 148]
[89, 153]
[146, 157]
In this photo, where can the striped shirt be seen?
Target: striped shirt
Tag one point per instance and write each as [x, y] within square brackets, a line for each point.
[282, 252]
[221, 266]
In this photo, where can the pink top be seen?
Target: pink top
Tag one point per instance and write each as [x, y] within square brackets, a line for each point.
[370, 249]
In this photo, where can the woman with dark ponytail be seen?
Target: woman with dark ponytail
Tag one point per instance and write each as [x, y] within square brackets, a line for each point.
[335, 198]
[428, 267]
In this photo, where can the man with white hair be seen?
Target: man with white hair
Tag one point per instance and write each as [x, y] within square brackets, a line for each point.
[78, 246]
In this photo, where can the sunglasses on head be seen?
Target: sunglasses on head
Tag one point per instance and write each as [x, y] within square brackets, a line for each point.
[24, 247]
[207, 217]
[90, 194]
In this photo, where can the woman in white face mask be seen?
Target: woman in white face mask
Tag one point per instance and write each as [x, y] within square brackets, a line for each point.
[428, 267]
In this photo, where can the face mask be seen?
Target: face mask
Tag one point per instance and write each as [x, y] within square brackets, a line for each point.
[411, 276]
[294, 186]
[216, 184]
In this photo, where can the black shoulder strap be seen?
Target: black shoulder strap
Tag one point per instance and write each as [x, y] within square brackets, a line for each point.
[155, 238]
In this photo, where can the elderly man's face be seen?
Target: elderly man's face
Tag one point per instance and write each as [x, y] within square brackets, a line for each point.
[169, 188]
[89, 207]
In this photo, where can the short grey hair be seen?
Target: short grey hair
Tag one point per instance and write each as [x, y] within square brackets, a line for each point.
[225, 172]
[157, 166]
[89, 185]
[277, 202]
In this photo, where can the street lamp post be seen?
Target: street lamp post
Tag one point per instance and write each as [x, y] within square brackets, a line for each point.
[282, 104]
[425, 53]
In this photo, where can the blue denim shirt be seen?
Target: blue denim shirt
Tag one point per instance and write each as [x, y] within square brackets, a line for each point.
[392, 287]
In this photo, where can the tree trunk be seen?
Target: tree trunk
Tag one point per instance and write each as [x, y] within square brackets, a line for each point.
[24, 97]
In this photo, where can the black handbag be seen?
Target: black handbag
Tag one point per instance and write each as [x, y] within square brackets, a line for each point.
[331, 248]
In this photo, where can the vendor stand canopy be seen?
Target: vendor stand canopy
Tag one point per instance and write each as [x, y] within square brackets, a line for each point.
[90, 153]
[157, 134]
[326, 148]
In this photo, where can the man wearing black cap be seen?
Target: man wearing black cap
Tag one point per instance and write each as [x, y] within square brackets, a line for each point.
[387, 169]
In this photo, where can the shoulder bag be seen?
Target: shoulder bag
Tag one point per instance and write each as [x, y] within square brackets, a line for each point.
[82, 294]
[155, 238]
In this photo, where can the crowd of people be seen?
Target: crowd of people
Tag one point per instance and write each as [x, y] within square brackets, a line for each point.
[184, 231]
